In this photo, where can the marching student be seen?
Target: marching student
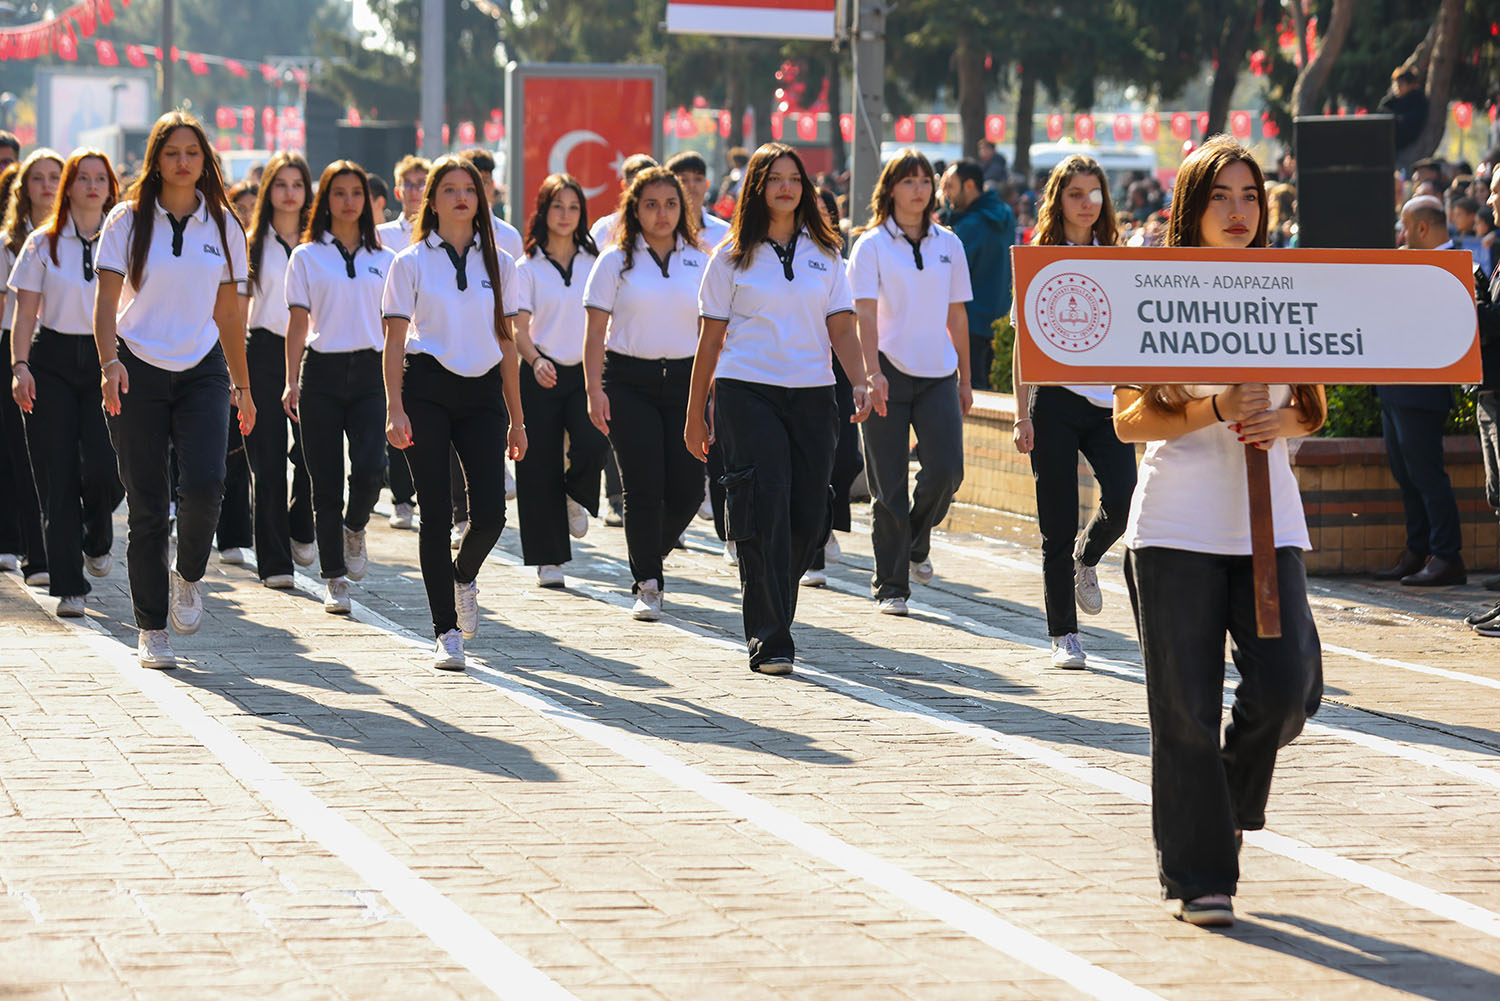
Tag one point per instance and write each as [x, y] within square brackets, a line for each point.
[334, 284]
[11, 545]
[911, 281]
[553, 503]
[56, 380]
[284, 532]
[242, 197]
[236, 530]
[1187, 565]
[28, 205]
[692, 170]
[642, 300]
[602, 232]
[507, 237]
[1054, 424]
[774, 300]
[171, 340]
[451, 381]
[411, 180]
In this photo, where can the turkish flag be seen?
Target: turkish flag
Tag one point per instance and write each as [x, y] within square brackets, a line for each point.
[196, 64]
[135, 55]
[106, 53]
[586, 127]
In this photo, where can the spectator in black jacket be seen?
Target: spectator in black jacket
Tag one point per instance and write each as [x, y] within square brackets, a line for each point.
[1408, 104]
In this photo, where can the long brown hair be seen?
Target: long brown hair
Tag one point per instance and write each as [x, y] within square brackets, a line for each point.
[752, 216]
[1049, 215]
[628, 224]
[484, 230]
[883, 202]
[18, 207]
[320, 221]
[1190, 200]
[552, 186]
[146, 190]
[62, 208]
[261, 215]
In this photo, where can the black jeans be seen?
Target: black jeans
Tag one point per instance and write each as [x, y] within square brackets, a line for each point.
[663, 484]
[542, 485]
[778, 455]
[1414, 451]
[74, 461]
[1066, 424]
[902, 523]
[398, 477]
[454, 411]
[186, 411]
[1487, 415]
[1202, 791]
[20, 505]
[981, 359]
[236, 529]
[278, 519]
[342, 396]
[848, 461]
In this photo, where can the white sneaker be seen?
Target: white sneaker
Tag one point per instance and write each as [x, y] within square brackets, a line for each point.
[402, 516]
[510, 482]
[449, 654]
[815, 578]
[356, 558]
[280, 582]
[154, 649]
[550, 575]
[1067, 652]
[706, 509]
[456, 537]
[1086, 588]
[10, 561]
[39, 579]
[647, 607]
[614, 515]
[891, 606]
[186, 608]
[336, 596]
[98, 566]
[234, 556]
[578, 519]
[466, 600]
[304, 554]
[70, 607]
[921, 572]
[831, 551]
[731, 554]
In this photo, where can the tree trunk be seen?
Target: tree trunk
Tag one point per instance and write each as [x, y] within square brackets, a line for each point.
[1422, 54]
[1234, 41]
[835, 68]
[1025, 108]
[1445, 44]
[972, 88]
[1305, 94]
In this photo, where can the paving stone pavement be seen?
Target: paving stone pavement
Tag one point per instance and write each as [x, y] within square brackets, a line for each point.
[606, 809]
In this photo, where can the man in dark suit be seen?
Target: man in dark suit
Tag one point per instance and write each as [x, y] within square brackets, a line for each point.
[1413, 418]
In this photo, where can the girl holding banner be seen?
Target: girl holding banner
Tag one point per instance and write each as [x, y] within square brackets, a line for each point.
[1188, 568]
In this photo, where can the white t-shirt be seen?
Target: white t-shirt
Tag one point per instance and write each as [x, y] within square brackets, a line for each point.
[652, 315]
[344, 307]
[67, 291]
[911, 308]
[507, 238]
[603, 231]
[455, 326]
[555, 302]
[395, 234]
[268, 309]
[711, 232]
[1191, 492]
[7, 262]
[169, 321]
[778, 328]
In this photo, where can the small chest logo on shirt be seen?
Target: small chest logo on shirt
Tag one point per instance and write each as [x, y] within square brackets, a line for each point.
[945, 258]
[209, 248]
[689, 262]
[375, 271]
[485, 283]
[818, 266]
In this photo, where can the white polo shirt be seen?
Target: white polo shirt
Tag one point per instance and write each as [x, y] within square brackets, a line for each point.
[555, 301]
[169, 321]
[778, 329]
[7, 263]
[712, 231]
[457, 327]
[508, 238]
[395, 234]
[67, 290]
[344, 307]
[651, 314]
[912, 303]
[603, 231]
[268, 309]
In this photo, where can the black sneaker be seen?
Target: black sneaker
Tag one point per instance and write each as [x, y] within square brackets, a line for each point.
[1490, 629]
[1213, 911]
[1480, 618]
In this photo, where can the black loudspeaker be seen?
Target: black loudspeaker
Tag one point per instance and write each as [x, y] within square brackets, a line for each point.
[376, 146]
[1346, 193]
[320, 117]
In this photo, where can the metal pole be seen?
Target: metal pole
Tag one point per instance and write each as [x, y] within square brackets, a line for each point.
[869, 105]
[166, 54]
[433, 74]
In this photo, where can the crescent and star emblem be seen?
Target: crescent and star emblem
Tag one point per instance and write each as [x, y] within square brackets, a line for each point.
[557, 160]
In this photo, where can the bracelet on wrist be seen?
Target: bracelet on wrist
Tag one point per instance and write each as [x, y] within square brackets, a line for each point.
[17, 364]
[112, 361]
[1214, 402]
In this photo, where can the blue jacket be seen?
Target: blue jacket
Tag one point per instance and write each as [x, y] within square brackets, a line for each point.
[988, 229]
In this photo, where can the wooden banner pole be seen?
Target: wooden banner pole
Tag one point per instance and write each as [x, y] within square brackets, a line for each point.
[1263, 545]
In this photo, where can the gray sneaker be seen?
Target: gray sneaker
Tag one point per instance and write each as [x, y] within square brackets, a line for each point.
[356, 560]
[403, 515]
[647, 607]
[186, 608]
[70, 607]
[304, 554]
[921, 572]
[1086, 588]
[98, 566]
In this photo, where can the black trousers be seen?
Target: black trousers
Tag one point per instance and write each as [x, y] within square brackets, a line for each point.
[236, 528]
[1487, 415]
[342, 396]
[1065, 425]
[902, 522]
[183, 410]
[848, 461]
[542, 483]
[398, 477]
[778, 454]
[75, 465]
[981, 359]
[278, 517]
[20, 505]
[1201, 790]
[449, 411]
[663, 484]
[1414, 451]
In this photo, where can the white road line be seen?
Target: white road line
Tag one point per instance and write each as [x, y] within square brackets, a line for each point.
[452, 929]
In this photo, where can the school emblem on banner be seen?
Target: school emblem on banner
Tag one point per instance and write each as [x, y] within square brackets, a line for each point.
[1072, 312]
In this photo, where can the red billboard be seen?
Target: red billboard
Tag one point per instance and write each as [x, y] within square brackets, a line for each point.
[760, 18]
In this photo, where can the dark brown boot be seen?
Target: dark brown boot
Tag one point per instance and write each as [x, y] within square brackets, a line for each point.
[1408, 564]
[1439, 573]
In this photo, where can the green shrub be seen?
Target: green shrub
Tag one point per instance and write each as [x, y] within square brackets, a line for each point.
[1354, 412]
[1005, 341]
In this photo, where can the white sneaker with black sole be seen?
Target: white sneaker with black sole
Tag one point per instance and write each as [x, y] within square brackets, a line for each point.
[99, 566]
[466, 602]
[356, 558]
[70, 607]
[1086, 588]
[154, 649]
[403, 515]
[336, 596]
[647, 607]
[578, 519]
[304, 554]
[186, 607]
[449, 653]
[550, 575]
[1067, 652]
